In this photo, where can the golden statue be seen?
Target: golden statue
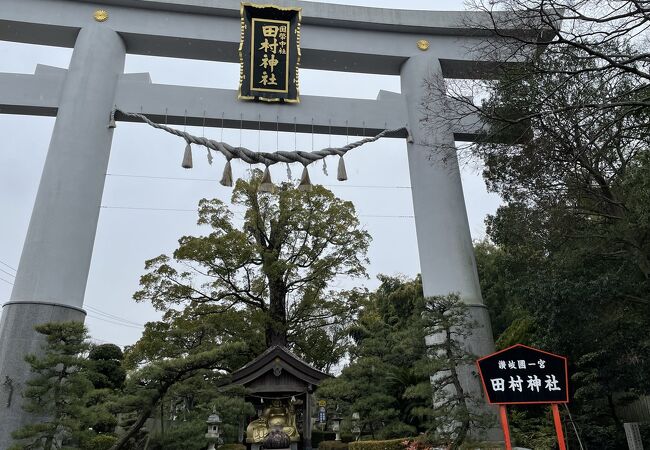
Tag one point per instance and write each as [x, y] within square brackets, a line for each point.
[277, 416]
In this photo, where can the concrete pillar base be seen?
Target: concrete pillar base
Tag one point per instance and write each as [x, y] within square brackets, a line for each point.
[17, 339]
[481, 343]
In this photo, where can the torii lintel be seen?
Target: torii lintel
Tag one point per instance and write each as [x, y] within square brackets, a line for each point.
[39, 95]
[335, 37]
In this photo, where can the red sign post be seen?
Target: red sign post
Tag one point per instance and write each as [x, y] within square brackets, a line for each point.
[521, 375]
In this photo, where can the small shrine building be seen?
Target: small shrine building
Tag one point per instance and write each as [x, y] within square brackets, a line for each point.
[280, 385]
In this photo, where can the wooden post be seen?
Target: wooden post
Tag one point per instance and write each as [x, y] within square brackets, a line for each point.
[558, 426]
[504, 424]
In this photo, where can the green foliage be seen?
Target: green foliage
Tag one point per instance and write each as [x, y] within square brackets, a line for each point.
[100, 442]
[332, 445]
[184, 436]
[388, 340]
[318, 436]
[446, 319]
[388, 379]
[57, 388]
[534, 426]
[568, 267]
[197, 373]
[264, 283]
[392, 444]
[105, 366]
[232, 447]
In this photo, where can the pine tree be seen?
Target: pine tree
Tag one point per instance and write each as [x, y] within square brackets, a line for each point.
[446, 323]
[55, 394]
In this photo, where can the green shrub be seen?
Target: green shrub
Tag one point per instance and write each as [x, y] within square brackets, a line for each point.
[392, 444]
[100, 442]
[332, 445]
[181, 436]
[318, 436]
[232, 447]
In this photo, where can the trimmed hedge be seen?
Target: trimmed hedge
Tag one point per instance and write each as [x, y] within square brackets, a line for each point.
[232, 447]
[100, 442]
[332, 445]
[392, 444]
[318, 436]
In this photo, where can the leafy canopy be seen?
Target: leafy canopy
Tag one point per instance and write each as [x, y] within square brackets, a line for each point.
[264, 280]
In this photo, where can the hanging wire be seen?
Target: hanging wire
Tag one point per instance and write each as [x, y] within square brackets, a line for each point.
[277, 144]
[276, 398]
[259, 132]
[575, 429]
[208, 148]
[222, 120]
[347, 133]
[330, 134]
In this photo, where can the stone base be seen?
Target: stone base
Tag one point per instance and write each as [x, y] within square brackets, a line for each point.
[481, 343]
[17, 339]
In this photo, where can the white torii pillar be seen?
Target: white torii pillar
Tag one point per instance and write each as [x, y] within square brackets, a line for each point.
[447, 260]
[53, 270]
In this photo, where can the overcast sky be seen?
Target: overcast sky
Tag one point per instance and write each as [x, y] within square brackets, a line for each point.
[144, 173]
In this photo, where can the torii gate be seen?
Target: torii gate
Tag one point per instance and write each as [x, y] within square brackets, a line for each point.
[53, 270]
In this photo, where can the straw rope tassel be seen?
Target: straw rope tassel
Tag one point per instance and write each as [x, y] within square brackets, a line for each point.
[305, 182]
[266, 185]
[226, 178]
[341, 174]
[187, 157]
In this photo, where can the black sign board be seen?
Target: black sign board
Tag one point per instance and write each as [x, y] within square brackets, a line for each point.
[269, 53]
[524, 375]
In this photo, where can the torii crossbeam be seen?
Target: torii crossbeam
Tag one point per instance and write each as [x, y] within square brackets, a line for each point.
[53, 270]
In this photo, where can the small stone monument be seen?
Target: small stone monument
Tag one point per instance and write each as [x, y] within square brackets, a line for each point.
[213, 431]
[336, 426]
[356, 428]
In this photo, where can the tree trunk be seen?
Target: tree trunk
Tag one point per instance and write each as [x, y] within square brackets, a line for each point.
[276, 326]
[459, 396]
[142, 418]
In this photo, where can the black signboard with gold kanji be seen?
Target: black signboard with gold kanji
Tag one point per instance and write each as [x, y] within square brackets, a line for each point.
[269, 53]
[524, 375]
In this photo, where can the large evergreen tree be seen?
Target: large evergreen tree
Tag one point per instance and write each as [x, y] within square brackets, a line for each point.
[266, 282]
[389, 340]
[570, 270]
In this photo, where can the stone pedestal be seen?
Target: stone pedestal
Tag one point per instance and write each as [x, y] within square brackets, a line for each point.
[17, 339]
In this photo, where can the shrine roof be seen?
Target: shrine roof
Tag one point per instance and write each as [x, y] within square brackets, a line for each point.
[278, 356]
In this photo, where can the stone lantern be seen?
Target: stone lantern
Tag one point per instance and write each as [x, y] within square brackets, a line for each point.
[356, 428]
[213, 431]
[336, 426]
